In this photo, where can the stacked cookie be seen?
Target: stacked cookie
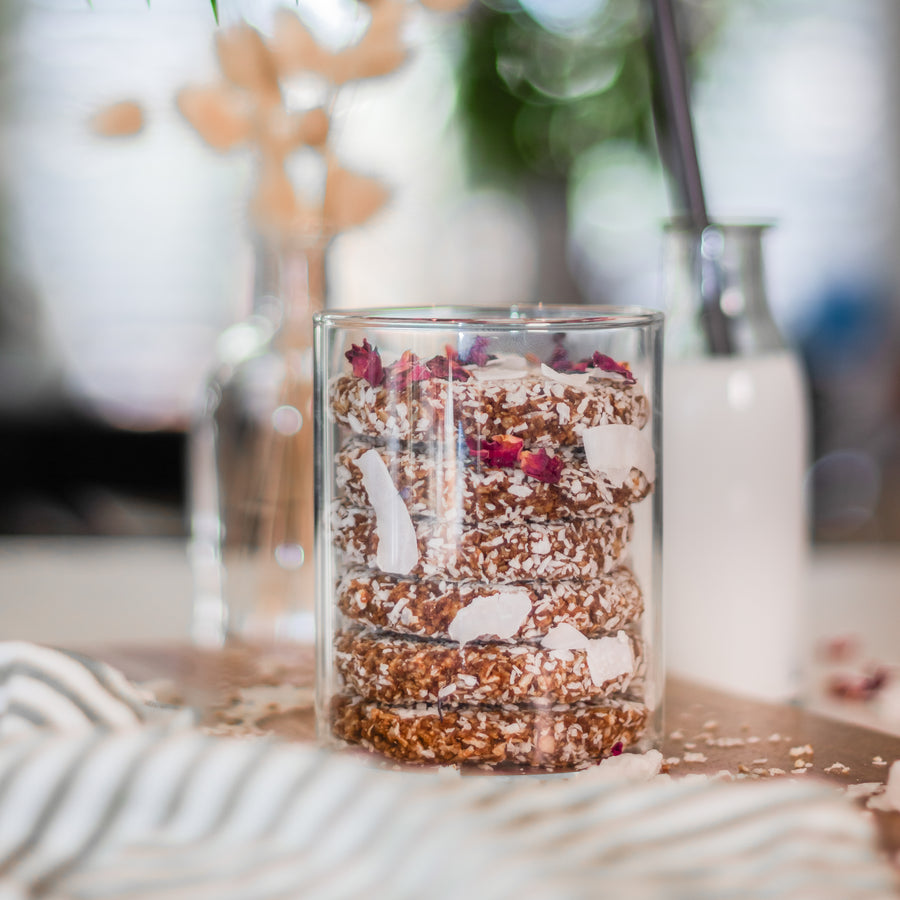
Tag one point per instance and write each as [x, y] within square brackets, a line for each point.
[486, 614]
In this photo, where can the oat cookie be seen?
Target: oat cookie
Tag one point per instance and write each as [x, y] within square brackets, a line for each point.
[541, 410]
[446, 486]
[558, 737]
[577, 548]
[406, 671]
[428, 607]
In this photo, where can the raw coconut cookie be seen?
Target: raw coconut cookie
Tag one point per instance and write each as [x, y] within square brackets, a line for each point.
[464, 611]
[558, 737]
[540, 406]
[479, 488]
[564, 667]
[575, 548]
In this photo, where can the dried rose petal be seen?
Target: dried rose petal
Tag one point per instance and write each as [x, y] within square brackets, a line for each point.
[366, 363]
[608, 364]
[447, 367]
[559, 359]
[857, 686]
[475, 449]
[540, 465]
[478, 355]
[616, 749]
[407, 369]
[503, 449]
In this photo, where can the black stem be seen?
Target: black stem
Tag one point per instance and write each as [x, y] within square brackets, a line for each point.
[678, 150]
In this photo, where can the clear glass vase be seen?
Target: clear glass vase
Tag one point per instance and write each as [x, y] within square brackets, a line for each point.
[251, 464]
[736, 435]
[488, 548]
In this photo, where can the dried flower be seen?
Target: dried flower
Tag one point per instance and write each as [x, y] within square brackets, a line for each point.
[538, 464]
[608, 364]
[474, 449]
[503, 450]
[559, 360]
[447, 367]
[858, 686]
[366, 363]
[478, 355]
[409, 368]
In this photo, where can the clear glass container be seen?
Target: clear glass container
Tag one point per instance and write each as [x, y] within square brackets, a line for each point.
[736, 438]
[251, 464]
[488, 539]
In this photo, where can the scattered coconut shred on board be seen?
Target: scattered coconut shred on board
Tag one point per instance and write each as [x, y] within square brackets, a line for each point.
[398, 550]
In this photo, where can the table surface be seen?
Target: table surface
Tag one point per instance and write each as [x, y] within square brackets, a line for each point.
[706, 731]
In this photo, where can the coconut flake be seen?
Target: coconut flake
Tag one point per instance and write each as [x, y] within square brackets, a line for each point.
[614, 450]
[627, 767]
[889, 801]
[398, 551]
[503, 367]
[577, 380]
[496, 373]
[500, 614]
[607, 657]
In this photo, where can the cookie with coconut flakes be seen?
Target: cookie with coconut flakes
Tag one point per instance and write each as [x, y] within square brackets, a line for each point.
[389, 540]
[556, 737]
[471, 610]
[471, 489]
[564, 667]
[537, 404]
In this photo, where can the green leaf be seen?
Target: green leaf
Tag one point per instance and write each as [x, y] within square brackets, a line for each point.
[215, 8]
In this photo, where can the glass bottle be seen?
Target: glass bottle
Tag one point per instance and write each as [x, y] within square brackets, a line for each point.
[251, 463]
[736, 438]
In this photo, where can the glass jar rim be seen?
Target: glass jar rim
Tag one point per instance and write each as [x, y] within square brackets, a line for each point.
[686, 225]
[542, 317]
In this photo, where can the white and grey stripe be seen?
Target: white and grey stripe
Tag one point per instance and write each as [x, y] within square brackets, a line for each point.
[138, 811]
[50, 688]
[118, 815]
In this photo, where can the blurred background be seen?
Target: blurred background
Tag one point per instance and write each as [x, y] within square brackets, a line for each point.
[516, 143]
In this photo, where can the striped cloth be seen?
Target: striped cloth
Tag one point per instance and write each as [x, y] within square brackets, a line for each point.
[65, 691]
[147, 809]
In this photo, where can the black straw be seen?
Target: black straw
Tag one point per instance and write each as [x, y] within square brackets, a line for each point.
[675, 136]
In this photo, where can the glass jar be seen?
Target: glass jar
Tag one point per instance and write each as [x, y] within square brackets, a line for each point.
[736, 435]
[251, 464]
[488, 539]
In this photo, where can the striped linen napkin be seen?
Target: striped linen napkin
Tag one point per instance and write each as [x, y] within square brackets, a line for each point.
[123, 800]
